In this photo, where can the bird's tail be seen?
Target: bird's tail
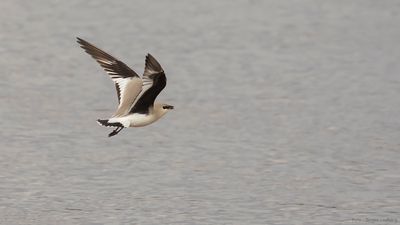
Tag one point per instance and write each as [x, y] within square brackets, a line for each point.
[118, 126]
[107, 124]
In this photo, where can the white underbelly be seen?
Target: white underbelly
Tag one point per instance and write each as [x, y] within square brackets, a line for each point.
[139, 120]
[135, 120]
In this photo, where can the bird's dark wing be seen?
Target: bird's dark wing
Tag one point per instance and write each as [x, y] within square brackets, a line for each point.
[127, 82]
[154, 81]
[114, 67]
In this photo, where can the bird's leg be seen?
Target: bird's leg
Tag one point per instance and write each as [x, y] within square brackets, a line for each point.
[116, 131]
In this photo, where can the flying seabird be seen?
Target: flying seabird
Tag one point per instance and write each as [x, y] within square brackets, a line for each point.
[136, 95]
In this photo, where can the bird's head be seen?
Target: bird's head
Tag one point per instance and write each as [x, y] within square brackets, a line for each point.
[161, 108]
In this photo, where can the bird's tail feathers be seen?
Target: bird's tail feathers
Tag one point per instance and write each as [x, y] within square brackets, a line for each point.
[107, 124]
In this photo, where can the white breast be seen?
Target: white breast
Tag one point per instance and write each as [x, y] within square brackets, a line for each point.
[135, 120]
[139, 120]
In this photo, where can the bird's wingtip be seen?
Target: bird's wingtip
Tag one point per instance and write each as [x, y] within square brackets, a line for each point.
[152, 63]
[79, 40]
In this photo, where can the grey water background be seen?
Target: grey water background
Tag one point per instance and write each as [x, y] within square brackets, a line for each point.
[286, 112]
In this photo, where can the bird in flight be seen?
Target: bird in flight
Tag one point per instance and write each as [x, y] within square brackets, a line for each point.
[136, 94]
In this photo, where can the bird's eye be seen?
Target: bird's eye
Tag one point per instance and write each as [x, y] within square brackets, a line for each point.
[168, 107]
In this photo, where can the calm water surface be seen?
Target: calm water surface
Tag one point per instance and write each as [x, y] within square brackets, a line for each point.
[286, 112]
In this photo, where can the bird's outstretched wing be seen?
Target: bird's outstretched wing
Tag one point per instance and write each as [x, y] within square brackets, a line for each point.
[127, 82]
[154, 81]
